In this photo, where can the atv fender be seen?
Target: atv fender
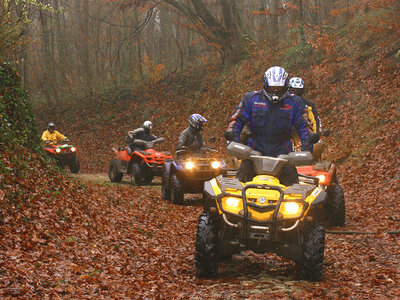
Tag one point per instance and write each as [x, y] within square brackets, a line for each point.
[321, 198]
[208, 191]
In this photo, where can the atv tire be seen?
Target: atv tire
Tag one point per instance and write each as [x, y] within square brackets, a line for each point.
[313, 252]
[176, 188]
[148, 179]
[136, 174]
[336, 209]
[74, 165]
[206, 259]
[165, 191]
[113, 173]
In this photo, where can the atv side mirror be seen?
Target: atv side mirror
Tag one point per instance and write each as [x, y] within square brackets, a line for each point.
[314, 138]
[213, 139]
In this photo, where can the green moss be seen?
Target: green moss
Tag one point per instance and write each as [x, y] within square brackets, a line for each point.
[17, 124]
[297, 55]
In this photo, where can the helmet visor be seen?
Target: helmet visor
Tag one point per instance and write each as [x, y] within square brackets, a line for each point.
[296, 91]
[276, 90]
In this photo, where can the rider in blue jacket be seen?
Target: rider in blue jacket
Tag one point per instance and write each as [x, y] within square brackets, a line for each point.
[271, 113]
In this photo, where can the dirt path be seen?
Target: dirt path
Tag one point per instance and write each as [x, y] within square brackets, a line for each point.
[360, 266]
[102, 178]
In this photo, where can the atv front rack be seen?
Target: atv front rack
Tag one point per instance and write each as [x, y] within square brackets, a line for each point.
[270, 226]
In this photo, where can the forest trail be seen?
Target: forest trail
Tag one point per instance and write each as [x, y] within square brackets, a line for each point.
[365, 262]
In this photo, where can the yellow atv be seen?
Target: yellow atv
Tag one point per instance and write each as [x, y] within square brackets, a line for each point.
[263, 215]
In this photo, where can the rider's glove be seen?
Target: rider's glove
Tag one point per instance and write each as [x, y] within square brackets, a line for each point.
[231, 136]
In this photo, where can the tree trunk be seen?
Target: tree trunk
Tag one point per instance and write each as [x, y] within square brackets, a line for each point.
[274, 20]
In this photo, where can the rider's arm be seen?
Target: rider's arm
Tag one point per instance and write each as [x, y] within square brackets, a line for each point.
[317, 118]
[301, 128]
[44, 136]
[60, 137]
[182, 140]
[241, 116]
[203, 144]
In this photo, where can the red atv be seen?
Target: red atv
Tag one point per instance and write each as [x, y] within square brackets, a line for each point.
[64, 154]
[325, 171]
[141, 165]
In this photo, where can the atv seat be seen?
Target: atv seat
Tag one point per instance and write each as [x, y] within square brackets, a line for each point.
[230, 183]
[303, 190]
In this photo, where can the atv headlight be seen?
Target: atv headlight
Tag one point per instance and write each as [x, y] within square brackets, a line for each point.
[189, 165]
[58, 150]
[321, 178]
[215, 165]
[73, 149]
[290, 208]
[232, 202]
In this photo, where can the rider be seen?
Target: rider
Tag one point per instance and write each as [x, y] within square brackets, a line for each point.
[296, 87]
[51, 136]
[136, 139]
[272, 113]
[191, 137]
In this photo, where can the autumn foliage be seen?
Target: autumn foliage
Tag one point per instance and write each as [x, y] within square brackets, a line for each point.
[64, 238]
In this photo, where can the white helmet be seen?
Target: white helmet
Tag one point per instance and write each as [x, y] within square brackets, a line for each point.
[276, 81]
[296, 82]
[147, 125]
[296, 85]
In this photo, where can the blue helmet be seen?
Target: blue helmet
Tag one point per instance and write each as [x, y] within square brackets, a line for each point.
[197, 121]
[296, 85]
[276, 81]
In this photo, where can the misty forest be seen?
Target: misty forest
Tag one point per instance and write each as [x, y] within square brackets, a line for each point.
[199, 149]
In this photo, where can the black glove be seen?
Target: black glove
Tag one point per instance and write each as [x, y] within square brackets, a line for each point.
[229, 135]
[314, 138]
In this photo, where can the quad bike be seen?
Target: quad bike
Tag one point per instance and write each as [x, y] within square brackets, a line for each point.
[64, 154]
[326, 173]
[263, 215]
[188, 172]
[141, 165]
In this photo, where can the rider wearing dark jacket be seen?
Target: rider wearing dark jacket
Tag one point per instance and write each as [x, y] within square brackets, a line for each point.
[191, 138]
[271, 113]
[135, 139]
